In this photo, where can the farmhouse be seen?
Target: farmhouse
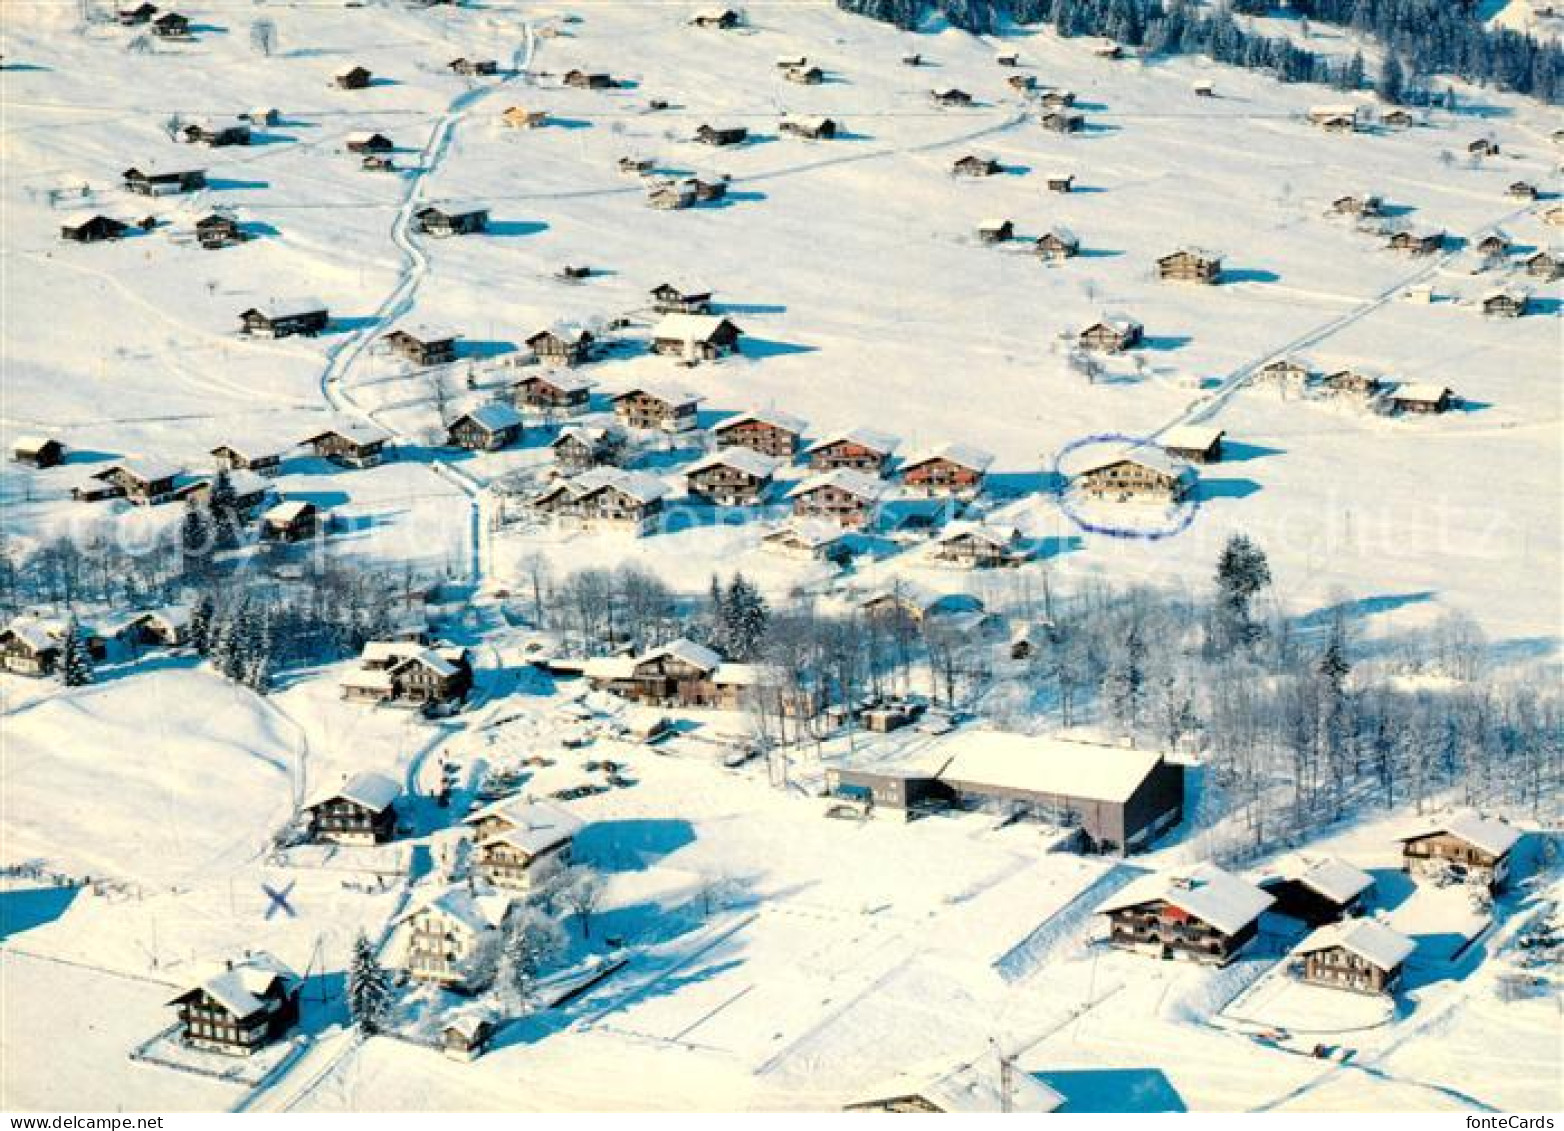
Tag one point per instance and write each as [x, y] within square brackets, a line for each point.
[1341, 118]
[350, 445]
[434, 221]
[351, 77]
[239, 1007]
[92, 228]
[367, 141]
[1056, 98]
[215, 133]
[1111, 334]
[847, 497]
[423, 345]
[666, 410]
[706, 190]
[1364, 204]
[466, 1035]
[487, 428]
[218, 229]
[1522, 190]
[950, 96]
[971, 166]
[808, 540]
[1286, 372]
[283, 317]
[1360, 955]
[1545, 265]
[361, 811]
[1399, 118]
[472, 68]
[1197, 443]
[1318, 890]
[153, 181]
[804, 76]
[675, 298]
[520, 118]
[968, 1088]
[1494, 245]
[767, 431]
[1420, 398]
[1483, 147]
[1190, 265]
[995, 231]
[858, 449]
[1353, 383]
[588, 80]
[1062, 121]
[695, 337]
[171, 25]
[721, 135]
[1059, 182]
[1205, 914]
[915, 604]
[719, 18]
[975, 545]
[1506, 303]
[407, 671]
[1420, 241]
[452, 938]
[38, 451]
[553, 391]
[948, 469]
[142, 482]
[669, 197]
[168, 626]
[129, 16]
[521, 842]
[731, 477]
[680, 674]
[604, 498]
[561, 347]
[262, 461]
[295, 520]
[815, 128]
[1057, 244]
[1467, 847]
[583, 447]
[28, 647]
[1134, 475]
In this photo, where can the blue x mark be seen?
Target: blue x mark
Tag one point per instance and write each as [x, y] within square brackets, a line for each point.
[279, 900]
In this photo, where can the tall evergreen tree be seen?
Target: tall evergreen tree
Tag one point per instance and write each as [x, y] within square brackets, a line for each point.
[75, 660]
[745, 618]
[369, 988]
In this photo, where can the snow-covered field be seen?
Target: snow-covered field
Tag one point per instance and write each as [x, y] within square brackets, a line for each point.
[777, 958]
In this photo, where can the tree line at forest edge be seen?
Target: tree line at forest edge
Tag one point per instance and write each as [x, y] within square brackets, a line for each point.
[1421, 38]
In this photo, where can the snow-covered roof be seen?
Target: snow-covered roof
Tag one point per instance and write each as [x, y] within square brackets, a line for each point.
[425, 332]
[289, 511]
[1490, 834]
[146, 470]
[1062, 234]
[476, 913]
[1121, 323]
[997, 534]
[638, 485]
[1191, 437]
[609, 667]
[535, 826]
[373, 791]
[811, 532]
[993, 224]
[848, 479]
[742, 675]
[1421, 393]
[1335, 879]
[239, 987]
[367, 679]
[589, 434]
[1043, 764]
[964, 455]
[1333, 110]
[494, 416]
[690, 327]
[808, 123]
[1143, 454]
[686, 651]
[776, 418]
[563, 380]
[32, 445]
[38, 635]
[469, 1023]
[1193, 252]
[671, 396]
[358, 432]
[747, 460]
[1370, 940]
[975, 1087]
[290, 307]
[1209, 893]
[870, 438]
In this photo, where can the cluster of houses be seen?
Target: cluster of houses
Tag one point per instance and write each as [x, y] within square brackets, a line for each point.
[410, 673]
[1300, 376]
[35, 645]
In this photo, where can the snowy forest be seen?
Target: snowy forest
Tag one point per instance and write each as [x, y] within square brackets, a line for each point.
[1422, 38]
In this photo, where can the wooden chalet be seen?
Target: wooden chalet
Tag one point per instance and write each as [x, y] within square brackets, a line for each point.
[995, 231]
[1483, 147]
[1059, 182]
[1420, 399]
[239, 1007]
[450, 938]
[262, 461]
[1361, 204]
[423, 345]
[810, 128]
[1506, 304]
[284, 317]
[293, 520]
[976, 545]
[1359, 955]
[168, 627]
[1112, 334]
[361, 811]
[473, 68]
[411, 673]
[985, 1085]
[1316, 891]
[352, 77]
[721, 19]
[1416, 241]
[216, 133]
[708, 134]
[520, 842]
[466, 1035]
[1399, 119]
[1353, 383]
[672, 298]
[218, 229]
[553, 391]
[1335, 119]
[804, 76]
[1196, 443]
[349, 445]
[433, 221]
[487, 428]
[664, 410]
[153, 181]
[588, 80]
[130, 15]
[636, 166]
[808, 540]
[1494, 245]
[858, 449]
[1545, 265]
[731, 477]
[1021, 84]
[1056, 98]
[706, 191]
[950, 96]
[93, 228]
[1190, 265]
[1467, 847]
[767, 431]
[945, 470]
[28, 647]
[141, 482]
[1285, 372]
[1137, 474]
[582, 447]
[561, 347]
[973, 166]
[520, 118]
[1205, 914]
[695, 337]
[171, 25]
[680, 674]
[38, 451]
[1522, 190]
[368, 141]
[849, 498]
[669, 197]
[1062, 121]
[1057, 244]
[605, 498]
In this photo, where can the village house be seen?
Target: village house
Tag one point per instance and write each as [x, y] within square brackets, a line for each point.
[1204, 914]
[1483, 147]
[1056, 98]
[1553, 216]
[249, 490]
[1417, 241]
[1057, 244]
[239, 1007]
[1545, 265]
[263, 116]
[466, 1035]
[808, 540]
[664, 410]
[473, 68]
[977, 545]
[804, 76]
[168, 627]
[520, 118]
[423, 345]
[981, 1086]
[1493, 245]
[143, 482]
[1421, 399]
[812, 128]
[786, 62]
[349, 445]
[858, 449]
[669, 196]
[283, 317]
[409, 672]
[150, 180]
[28, 647]
[1062, 121]
[1059, 182]
[1111, 334]
[1506, 303]
[582, 447]
[351, 77]
[216, 133]
[1356, 383]
[995, 231]
[361, 811]
[293, 520]
[950, 96]
[487, 428]
[680, 674]
[605, 498]
[636, 166]
[92, 228]
[588, 80]
[708, 134]
[520, 843]
[565, 346]
[1021, 84]
[368, 141]
[1467, 848]
[973, 166]
[695, 337]
[1141, 474]
[1335, 119]
[1522, 190]
[218, 229]
[731, 477]
[1285, 372]
[1316, 890]
[768, 431]
[1362, 204]
[706, 191]
[38, 451]
[918, 605]
[1190, 265]
[452, 938]
[262, 461]
[130, 15]
[171, 25]
[1196, 443]
[945, 470]
[722, 19]
[1204, 88]
[1400, 118]
[1359, 955]
[555, 391]
[674, 298]
[844, 496]
[433, 221]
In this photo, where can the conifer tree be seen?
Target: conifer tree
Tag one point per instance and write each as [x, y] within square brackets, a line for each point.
[369, 988]
[75, 660]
